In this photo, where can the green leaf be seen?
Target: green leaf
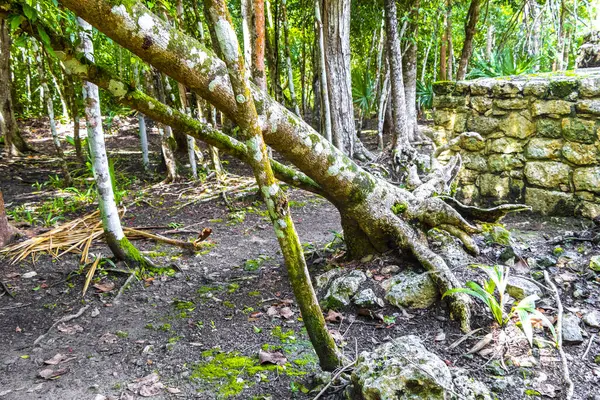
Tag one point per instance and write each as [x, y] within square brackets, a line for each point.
[29, 12]
[525, 319]
[15, 21]
[43, 35]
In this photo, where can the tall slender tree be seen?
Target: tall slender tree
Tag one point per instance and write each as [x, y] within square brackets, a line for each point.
[467, 50]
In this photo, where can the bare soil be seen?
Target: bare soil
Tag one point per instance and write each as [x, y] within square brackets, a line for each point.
[214, 306]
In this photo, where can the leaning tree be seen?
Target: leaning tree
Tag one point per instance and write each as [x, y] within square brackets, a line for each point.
[376, 215]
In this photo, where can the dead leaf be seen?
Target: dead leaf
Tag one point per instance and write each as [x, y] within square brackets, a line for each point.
[173, 390]
[49, 373]
[56, 359]
[365, 312]
[105, 286]
[286, 312]
[69, 329]
[151, 390]
[272, 311]
[379, 278]
[481, 344]
[13, 275]
[337, 336]
[147, 386]
[267, 357]
[334, 316]
[254, 316]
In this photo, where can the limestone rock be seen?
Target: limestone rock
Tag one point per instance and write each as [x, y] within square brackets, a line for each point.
[390, 269]
[587, 179]
[451, 102]
[589, 210]
[401, 369]
[367, 298]
[550, 202]
[548, 174]
[506, 145]
[474, 161]
[481, 104]
[343, 288]
[518, 125]
[571, 332]
[517, 103]
[588, 107]
[581, 154]
[590, 86]
[592, 318]
[482, 86]
[536, 87]
[563, 87]
[547, 127]
[540, 148]
[444, 87]
[504, 162]
[520, 288]
[595, 263]
[493, 186]
[504, 88]
[412, 290]
[469, 388]
[579, 130]
[552, 107]
[323, 280]
[482, 124]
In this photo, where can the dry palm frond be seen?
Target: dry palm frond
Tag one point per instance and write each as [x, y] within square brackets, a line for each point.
[90, 274]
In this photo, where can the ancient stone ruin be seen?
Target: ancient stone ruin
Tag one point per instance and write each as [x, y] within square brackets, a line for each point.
[541, 140]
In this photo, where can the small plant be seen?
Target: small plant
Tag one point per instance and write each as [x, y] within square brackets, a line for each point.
[497, 282]
[254, 264]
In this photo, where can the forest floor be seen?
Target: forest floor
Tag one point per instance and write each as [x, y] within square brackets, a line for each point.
[196, 332]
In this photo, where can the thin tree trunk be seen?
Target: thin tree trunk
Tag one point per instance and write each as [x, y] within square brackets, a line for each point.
[326, 131]
[113, 232]
[61, 97]
[380, 53]
[450, 59]
[409, 70]
[50, 110]
[303, 73]
[26, 62]
[561, 37]
[167, 141]
[489, 41]
[14, 144]
[444, 49]
[73, 101]
[427, 51]
[142, 125]
[401, 143]
[258, 44]
[288, 59]
[274, 197]
[212, 151]
[383, 104]
[336, 28]
[7, 231]
[467, 50]
[246, 12]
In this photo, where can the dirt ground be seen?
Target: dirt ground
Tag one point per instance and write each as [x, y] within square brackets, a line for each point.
[198, 330]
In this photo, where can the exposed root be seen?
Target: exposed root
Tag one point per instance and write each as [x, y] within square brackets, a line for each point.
[440, 272]
[484, 214]
[434, 212]
[440, 180]
[66, 318]
[464, 237]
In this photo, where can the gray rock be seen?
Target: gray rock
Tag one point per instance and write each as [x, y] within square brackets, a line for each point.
[401, 369]
[450, 249]
[520, 288]
[571, 333]
[412, 290]
[343, 288]
[367, 298]
[546, 261]
[390, 269]
[592, 319]
[323, 280]
[469, 388]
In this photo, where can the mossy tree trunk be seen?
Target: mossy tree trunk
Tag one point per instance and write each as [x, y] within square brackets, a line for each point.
[111, 223]
[274, 197]
[382, 216]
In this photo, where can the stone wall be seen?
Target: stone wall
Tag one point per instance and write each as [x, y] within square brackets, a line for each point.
[541, 140]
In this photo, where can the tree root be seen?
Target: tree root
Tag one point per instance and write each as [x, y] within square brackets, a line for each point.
[66, 318]
[483, 214]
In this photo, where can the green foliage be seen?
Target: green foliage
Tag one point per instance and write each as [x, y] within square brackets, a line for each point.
[254, 264]
[424, 95]
[502, 63]
[363, 90]
[497, 282]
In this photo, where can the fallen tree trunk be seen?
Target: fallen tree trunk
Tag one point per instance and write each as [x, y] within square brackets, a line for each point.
[376, 215]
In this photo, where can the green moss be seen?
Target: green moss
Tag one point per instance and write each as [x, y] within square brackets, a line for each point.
[229, 373]
[562, 88]
[254, 293]
[284, 337]
[558, 251]
[232, 287]
[228, 304]
[122, 334]
[184, 305]
[399, 208]
[203, 290]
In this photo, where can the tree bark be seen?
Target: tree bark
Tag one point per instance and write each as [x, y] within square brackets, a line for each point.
[275, 199]
[444, 49]
[141, 124]
[467, 50]
[113, 232]
[336, 28]
[288, 59]
[7, 231]
[14, 144]
[402, 150]
[258, 44]
[50, 110]
[326, 129]
[409, 69]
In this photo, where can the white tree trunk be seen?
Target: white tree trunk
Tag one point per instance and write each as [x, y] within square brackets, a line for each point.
[106, 197]
[142, 125]
[326, 112]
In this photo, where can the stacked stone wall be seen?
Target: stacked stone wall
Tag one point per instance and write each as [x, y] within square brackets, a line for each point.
[541, 140]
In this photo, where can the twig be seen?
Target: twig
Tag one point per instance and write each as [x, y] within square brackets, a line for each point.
[462, 339]
[6, 289]
[15, 306]
[589, 346]
[333, 378]
[559, 316]
[123, 288]
[66, 318]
